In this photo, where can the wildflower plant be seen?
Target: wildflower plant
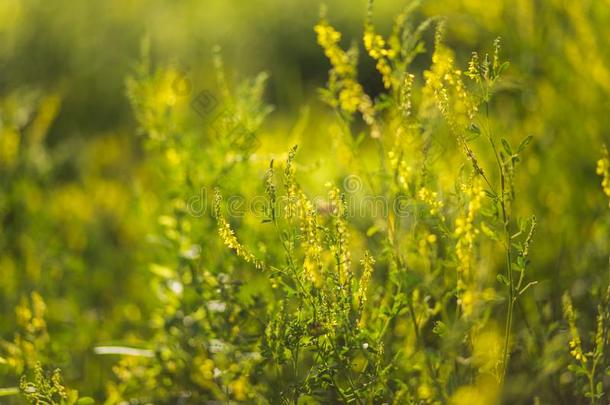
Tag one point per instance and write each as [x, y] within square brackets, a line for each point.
[48, 389]
[385, 251]
[30, 343]
[588, 360]
[330, 318]
[603, 169]
[588, 366]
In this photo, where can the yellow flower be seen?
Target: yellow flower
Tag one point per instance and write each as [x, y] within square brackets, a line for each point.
[227, 235]
[431, 199]
[367, 264]
[239, 388]
[376, 47]
[349, 94]
[603, 169]
[466, 233]
[575, 343]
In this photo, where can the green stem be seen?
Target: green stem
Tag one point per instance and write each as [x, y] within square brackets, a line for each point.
[5, 392]
[511, 297]
[507, 237]
[419, 344]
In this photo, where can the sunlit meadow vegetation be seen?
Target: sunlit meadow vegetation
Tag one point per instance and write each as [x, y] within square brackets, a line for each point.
[285, 202]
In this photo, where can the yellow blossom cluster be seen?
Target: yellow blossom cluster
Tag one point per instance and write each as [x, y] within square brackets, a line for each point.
[431, 199]
[230, 240]
[299, 207]
[291, 186]
[340, 249]
[329, 38]
[603, 169]
[473, 68]
[350, 92]
[347, 93]
[367, 270]
[376, 47]
[575, 342]
[311, 243]
[472, 295]
[402, 171]
[227, 235]
[29, 343]
[406, 93]
[426, 242]
[444, 84]
[466, 231]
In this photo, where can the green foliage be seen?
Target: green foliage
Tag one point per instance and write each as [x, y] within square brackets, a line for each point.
[198, 254]
[590, 367]
[47, 389]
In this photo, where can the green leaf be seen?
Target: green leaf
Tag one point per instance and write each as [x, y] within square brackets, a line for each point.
[524, 143]
[516, 267]
[502, 68]
[474, 128]
[506, 147]
[439, 328]
[161, 271]
[502, 279]
[372, 230]
[85, 401]
[490, 233]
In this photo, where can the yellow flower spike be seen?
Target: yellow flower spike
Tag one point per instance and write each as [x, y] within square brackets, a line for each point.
[465, 233]
[367, 265]
[603, 170]
[473, 68]
[350, 95]
[227, 235]
[575, 342]
[375, 45]
[430, 198]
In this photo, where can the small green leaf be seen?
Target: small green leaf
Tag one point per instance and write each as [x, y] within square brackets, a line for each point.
[502, 68]
[506, 147]
[85, 401]
[502, 279]
[161, 271]
[439, 328]
[490, 233]
[524, 143]
[516, 267]
[372, 230]
[490, 194]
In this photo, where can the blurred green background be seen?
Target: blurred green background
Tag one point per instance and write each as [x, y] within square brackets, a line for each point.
[75, 202]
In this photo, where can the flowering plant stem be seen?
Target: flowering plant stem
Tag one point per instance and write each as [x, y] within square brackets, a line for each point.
[507, 238]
